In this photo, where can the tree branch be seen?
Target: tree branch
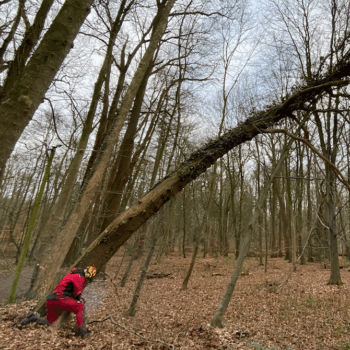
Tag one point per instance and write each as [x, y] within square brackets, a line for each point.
[313, 149]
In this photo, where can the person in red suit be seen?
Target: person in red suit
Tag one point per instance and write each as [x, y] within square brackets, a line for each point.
[66, 296]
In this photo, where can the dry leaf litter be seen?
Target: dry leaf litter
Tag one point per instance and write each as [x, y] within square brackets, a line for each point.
[272, 310]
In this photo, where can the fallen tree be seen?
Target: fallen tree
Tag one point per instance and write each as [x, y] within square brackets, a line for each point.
[120, 230]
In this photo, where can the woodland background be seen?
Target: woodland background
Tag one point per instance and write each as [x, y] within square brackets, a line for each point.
[108, 109]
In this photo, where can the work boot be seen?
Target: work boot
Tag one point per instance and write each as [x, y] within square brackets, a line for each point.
[41, 321]
[32, 317]
[83, 332]
[29, 319]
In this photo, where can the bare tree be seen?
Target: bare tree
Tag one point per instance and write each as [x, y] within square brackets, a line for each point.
[20, 101]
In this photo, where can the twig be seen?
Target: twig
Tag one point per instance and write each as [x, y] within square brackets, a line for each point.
[169, 346]
[98, 321]
[54, 122]
[178, 335]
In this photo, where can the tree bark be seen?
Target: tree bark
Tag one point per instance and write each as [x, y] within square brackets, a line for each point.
[60, 209]
[31, 38]
[19, 104]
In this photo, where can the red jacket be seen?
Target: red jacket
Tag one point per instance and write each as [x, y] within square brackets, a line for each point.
[71, 286]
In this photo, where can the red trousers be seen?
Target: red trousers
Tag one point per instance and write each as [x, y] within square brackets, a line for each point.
[55, 309]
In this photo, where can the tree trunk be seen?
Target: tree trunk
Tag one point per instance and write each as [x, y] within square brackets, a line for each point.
[299, 217]
[309, 207]
[68, 232]
[273, 203]
[31, 226]
[333, 140]
[31, 38]
[283, 218]
[193, 259]
[197, 239]
[132, 259]
[184, 227]
[291, 217]
[132, 308]
[20, 103]
[241, 190]
[224, 243]
[335, 277]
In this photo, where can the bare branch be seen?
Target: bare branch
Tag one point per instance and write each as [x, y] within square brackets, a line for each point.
[24, 15]
[308, 143]
[54, 121]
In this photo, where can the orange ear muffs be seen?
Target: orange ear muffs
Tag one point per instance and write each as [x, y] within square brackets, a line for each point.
[90, 271]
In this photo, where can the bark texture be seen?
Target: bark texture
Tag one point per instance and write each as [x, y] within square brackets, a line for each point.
[31, 38]
[19, 104]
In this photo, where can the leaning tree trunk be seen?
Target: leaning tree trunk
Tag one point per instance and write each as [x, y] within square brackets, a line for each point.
[67, 234]
[58, 214]
[105, 246]
[20, 103]
[31, 38]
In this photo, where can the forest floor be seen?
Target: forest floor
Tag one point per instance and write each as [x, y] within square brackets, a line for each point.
[277, 309]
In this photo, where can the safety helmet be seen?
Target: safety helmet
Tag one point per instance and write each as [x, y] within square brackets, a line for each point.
[90, 271]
